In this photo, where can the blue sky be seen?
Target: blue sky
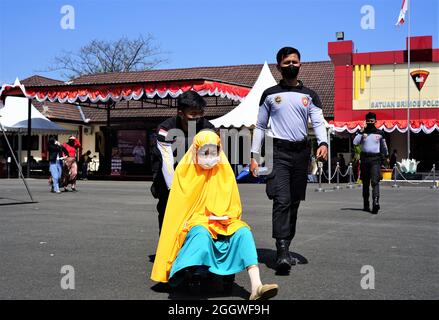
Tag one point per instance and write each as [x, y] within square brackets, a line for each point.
[202, 33]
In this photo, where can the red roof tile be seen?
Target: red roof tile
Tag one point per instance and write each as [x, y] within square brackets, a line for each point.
[59, 111]
[318, 76]
[37, 80]
[152, 111]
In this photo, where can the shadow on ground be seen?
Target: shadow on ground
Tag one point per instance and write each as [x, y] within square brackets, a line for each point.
[12, 202]
[268, 257]
[355, 209]
[210, 287]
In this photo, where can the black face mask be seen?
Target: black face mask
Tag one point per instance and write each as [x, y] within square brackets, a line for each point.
[197, 121]
[290, 72]
[370, 127]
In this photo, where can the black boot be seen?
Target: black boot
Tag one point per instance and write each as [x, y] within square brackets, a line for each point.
[366, 206]
[228, 282]
[375, 205]
[292, 260]
[283, 259]
[194, 277]
[195, 286]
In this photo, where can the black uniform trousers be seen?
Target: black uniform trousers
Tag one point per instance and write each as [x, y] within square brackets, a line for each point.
[286, 185]
[370, 168]
[160, 191]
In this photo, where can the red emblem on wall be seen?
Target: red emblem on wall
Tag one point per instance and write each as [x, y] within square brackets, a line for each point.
[419, 77]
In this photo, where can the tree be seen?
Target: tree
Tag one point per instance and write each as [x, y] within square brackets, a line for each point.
[110, 56]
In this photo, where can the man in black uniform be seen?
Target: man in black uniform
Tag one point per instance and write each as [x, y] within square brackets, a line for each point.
[190, 111]
[373, 154]
[288, 105]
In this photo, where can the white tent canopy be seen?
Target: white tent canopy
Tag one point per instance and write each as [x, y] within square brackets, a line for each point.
[14, 118]
[246, 113]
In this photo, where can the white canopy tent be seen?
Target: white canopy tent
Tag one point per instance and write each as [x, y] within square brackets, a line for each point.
[246, 113]
[15, 114]
[14, 118]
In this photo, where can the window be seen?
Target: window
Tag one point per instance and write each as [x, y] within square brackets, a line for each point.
[35, 142]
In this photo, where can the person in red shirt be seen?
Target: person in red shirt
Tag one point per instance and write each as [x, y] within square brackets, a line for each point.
[70, 170]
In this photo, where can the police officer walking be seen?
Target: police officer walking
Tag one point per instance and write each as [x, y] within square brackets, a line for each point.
[373, 153]
[288, 105]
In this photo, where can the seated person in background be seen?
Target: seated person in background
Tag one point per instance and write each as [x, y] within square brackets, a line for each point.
[202, 227]
[32, 161]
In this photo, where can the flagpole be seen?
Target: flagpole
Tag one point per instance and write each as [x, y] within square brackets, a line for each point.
[408, 80]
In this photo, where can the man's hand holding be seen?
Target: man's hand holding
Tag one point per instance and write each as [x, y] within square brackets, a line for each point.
[254, 167]
[322, 153]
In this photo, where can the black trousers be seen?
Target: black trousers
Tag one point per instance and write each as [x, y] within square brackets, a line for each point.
[161, 208]
[370, 175]
[286, 185]
[160, 191]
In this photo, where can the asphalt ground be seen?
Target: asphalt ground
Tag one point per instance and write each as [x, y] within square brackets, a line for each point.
[107, 231]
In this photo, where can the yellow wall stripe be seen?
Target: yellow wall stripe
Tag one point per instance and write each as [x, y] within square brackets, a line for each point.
[356, 82]
[362, 77]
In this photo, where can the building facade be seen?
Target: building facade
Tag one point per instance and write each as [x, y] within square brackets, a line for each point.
[379, 82]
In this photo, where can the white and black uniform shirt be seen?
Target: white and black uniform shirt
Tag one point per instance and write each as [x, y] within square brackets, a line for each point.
[288, 109]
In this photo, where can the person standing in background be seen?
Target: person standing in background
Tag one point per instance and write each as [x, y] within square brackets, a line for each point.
[393, 158]
[373, 152]
[56, 151]
[83, 162]
[139, 153]
[70, 163]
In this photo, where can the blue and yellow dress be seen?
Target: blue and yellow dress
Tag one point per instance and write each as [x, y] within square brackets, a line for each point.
[189, 236]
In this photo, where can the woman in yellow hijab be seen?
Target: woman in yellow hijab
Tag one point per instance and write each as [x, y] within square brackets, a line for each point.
[202, 225]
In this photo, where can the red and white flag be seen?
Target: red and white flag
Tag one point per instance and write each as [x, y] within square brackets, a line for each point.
[401, 18]
[163, 132]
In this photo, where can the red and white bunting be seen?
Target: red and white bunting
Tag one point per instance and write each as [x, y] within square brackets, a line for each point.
[416, 126]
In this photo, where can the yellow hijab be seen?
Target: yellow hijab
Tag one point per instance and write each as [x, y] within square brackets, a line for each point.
[196, 194]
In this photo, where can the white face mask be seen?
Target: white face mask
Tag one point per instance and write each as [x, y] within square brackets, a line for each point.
[208, 162]
[208, 157]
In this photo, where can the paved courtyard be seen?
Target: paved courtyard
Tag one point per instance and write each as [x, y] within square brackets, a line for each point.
[107, 232]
